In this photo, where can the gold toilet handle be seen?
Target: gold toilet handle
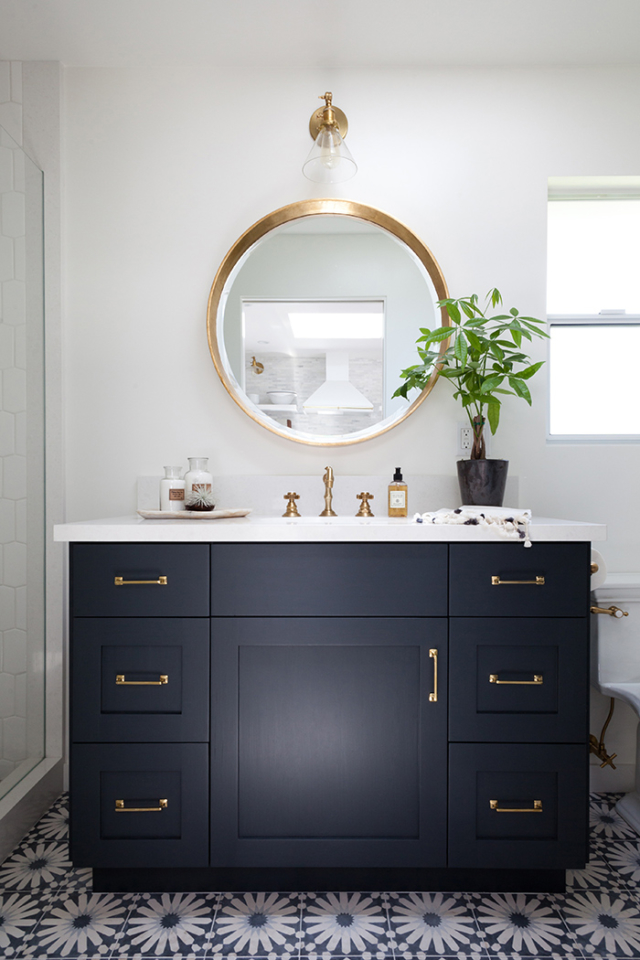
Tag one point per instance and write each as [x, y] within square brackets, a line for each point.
[612, 611]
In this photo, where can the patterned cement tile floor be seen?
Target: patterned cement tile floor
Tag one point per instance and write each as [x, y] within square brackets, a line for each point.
[47, 909]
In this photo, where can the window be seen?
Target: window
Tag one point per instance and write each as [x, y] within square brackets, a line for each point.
[593, 302]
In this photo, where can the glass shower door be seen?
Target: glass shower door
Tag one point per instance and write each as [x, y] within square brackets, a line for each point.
[22, 494]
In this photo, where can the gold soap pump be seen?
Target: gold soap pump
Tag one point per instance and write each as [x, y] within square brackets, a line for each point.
[398, 495]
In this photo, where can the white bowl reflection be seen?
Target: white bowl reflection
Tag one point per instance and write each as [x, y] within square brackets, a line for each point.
[281, 396]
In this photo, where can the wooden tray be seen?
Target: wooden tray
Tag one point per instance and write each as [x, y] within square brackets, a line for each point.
[192, 514]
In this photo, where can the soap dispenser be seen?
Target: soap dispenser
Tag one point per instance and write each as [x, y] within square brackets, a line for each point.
[398, 496]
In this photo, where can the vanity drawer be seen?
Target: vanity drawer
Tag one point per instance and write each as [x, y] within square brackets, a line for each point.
[518, 804]
[546, 580]
[167, 787]
[96, 566]
[140, 679]
[329, 579]
[514, 679]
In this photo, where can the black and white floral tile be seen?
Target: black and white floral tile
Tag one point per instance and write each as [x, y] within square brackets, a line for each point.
[48, 909]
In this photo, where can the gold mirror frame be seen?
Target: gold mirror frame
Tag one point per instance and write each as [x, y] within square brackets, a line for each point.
[298, 211]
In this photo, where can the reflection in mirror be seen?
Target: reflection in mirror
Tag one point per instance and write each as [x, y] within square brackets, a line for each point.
[315, 322]
[321, 359]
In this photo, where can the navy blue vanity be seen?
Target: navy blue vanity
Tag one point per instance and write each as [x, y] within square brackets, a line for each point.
[319, 715]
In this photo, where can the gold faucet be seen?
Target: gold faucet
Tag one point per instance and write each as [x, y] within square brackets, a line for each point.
[328, 496]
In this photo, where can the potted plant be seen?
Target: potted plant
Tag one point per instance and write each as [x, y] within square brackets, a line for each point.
[485, 361]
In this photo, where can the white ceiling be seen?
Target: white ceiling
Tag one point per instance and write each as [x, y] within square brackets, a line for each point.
[322, 33]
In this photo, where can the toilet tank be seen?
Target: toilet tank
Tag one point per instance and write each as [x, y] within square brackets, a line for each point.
[615, 641]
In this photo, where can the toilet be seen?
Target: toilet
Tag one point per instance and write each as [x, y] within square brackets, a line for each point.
[615, 661]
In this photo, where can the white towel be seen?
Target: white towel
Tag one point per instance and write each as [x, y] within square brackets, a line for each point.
[511, 522]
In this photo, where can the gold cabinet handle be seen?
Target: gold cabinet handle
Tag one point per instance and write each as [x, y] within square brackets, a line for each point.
[497, 582]
[433, 697]
[612, 611]
[121, 682]
[119, 582]
[536, 808]
[536, 682]
[162, 805]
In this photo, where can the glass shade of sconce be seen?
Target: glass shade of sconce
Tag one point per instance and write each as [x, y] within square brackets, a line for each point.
[329, 160]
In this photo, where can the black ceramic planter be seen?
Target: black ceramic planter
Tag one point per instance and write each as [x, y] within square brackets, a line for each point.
[482, 482]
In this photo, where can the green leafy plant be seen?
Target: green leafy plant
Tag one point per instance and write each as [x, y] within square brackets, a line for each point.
[484, 360]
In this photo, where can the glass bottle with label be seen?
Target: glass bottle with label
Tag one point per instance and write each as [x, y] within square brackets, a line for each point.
[172, 490]
[398, 496]
[197, 476]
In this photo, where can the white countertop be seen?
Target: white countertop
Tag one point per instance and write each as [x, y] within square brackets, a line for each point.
[258, 529]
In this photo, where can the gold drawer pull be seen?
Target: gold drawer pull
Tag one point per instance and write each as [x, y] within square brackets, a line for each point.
[536, 808]
[497, 582]
[162, 805]
[612, 611]
[121, 682]
[537, 680]
[433, 697]
[119, 582]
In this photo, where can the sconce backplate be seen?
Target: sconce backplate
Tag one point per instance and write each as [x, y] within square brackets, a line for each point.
[316, 121]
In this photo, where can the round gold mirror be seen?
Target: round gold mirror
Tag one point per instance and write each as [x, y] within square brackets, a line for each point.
[314, 312]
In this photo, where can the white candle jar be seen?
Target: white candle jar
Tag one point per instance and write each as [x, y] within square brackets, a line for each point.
[172, 490]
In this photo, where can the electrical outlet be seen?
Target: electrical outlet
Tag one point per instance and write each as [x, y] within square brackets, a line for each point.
[465, 439]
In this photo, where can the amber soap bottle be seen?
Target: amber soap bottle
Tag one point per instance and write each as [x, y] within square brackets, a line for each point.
[398, 496]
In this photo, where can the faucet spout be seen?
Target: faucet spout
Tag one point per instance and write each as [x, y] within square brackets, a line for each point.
[328, 495]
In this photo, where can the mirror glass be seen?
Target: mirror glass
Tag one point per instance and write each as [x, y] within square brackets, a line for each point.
[314, 313]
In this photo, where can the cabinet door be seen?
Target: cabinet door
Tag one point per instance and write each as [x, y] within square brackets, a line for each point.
[139, 805]
[518, 679]
[328, 747]
[158, 579]
[508, 580]
[518, 804]
[140, 679]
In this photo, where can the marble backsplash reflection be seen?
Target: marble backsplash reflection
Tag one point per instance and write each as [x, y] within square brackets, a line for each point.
[303, 376]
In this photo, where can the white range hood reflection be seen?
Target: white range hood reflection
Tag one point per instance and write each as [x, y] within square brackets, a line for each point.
[337, 394]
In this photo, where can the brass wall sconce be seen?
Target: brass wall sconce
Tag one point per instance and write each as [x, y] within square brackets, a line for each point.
[329, 160]
[258, 367]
